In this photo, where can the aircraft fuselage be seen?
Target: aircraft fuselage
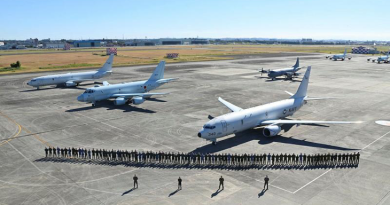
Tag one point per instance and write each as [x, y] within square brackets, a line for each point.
[249, 118]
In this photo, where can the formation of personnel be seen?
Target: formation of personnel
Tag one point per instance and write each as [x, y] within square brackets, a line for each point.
[227, 159]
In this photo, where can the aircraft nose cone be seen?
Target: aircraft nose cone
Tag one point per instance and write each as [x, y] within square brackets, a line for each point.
[199, 134]
[80, 98]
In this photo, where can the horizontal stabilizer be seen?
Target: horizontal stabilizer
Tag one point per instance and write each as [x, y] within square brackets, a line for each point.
[283, 122]
[105, 83]
[324, 98]
[232, 107]
[161, 81]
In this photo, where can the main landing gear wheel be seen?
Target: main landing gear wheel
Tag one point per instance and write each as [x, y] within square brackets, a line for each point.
[214, 143]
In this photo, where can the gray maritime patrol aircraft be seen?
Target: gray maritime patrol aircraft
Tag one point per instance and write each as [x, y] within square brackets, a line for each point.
[133, 92]
[289, 73]
[339, 56]
[270, 115]
[73, 79]
[385, 59]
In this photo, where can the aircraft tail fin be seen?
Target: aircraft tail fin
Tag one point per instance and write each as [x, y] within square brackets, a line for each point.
[158, 73]
[302, 89]
[345, 51]
[108, 65]
[296, 64]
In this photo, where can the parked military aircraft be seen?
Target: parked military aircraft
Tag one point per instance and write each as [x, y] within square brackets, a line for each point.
[270, 115]
[339, 56]
[73, 79]
[289, 73]
[385, 58]
[134, 92]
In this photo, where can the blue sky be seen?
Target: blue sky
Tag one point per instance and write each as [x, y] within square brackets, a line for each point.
[85, 19]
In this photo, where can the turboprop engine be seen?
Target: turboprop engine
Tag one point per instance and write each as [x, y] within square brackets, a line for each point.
[271, 130]
[138, 100]
[120, 101]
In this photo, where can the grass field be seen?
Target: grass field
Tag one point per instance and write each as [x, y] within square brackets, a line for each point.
[46, 60]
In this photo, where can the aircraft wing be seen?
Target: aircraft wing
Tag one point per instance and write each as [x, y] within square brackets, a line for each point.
[298, 122]
[129, 95]
[232, 107]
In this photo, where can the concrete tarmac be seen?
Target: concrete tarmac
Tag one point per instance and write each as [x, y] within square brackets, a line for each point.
[31, 119]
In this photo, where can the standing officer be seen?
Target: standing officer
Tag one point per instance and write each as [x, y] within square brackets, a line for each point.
[221, 179]
[179, 184]
[46, 151]
[135, 179]
[266, 179]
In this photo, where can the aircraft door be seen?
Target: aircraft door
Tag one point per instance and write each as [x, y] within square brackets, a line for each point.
[224, 126]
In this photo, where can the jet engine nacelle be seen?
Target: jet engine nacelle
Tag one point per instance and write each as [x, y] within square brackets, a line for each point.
[138, 100]
[70, 84]
[271, 130]
[120, 101]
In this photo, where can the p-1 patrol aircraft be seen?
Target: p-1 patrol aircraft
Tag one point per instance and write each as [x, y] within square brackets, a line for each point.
[339, 56]
[73, 79]
[134, 92]
[385, 58]
[270, 115]
[289, 73]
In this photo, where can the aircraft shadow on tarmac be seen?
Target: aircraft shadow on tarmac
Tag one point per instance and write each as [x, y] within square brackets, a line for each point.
[61, 87]
[276, 79]
[110, 106]
[257, 134]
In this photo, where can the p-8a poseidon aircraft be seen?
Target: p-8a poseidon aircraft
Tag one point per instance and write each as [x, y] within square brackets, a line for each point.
[134, 92]
[270, 115]
[339, 56]
[73, 79]
[289, 73]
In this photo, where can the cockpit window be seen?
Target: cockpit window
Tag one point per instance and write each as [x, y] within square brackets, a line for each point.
[208, 127]
[89, 91]
[33, 80]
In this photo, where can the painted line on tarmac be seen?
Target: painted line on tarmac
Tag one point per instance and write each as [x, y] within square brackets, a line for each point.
[332, 169]
[22, 128]
[375, 140]
[312, 181]
[15, 135]
[269, 184]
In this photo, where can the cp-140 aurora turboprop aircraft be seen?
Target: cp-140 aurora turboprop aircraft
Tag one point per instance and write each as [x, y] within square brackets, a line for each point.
[73, 79]
[289, 73]
[339, 56]
[270, 115]
[134, 92]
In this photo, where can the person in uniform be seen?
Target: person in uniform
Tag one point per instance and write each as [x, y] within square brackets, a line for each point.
[46, 151]
[221, 180]
[179, 184]
[266, 180]
[135, 179]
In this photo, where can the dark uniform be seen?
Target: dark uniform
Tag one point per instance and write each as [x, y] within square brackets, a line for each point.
[179, 184]
[221, 182]
[135, 178]
[266, 179]
[46, 151]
